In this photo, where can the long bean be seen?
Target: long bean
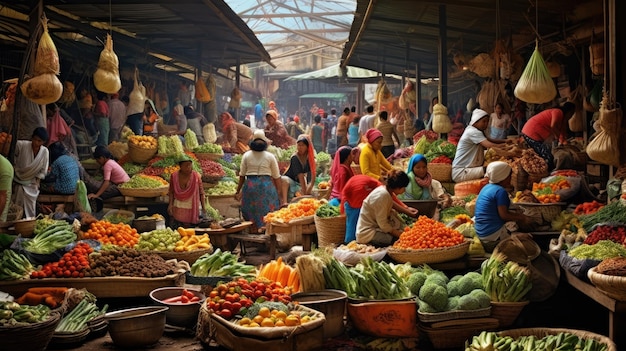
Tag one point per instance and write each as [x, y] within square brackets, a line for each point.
[77, 319]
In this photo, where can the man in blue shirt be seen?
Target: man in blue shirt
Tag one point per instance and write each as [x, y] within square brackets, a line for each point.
[258, 114]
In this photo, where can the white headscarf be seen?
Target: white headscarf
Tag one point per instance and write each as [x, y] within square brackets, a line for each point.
[497, 171]
[477, 114]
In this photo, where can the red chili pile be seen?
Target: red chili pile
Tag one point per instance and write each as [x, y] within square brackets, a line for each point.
[607, 232]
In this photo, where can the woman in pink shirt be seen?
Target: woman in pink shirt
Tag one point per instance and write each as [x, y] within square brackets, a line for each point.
[114, 175]
[547, 126]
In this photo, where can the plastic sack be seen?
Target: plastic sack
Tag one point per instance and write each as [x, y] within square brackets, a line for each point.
[578, 267]
[352, 258]
[566, 194]
[35, 258]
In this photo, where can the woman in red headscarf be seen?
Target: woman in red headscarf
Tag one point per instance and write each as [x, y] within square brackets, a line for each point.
[300, 176]
[236, 136]
[371, 160]
[341, 172]
[275, 131]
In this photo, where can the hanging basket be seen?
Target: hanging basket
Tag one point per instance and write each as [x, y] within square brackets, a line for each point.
[331, 231]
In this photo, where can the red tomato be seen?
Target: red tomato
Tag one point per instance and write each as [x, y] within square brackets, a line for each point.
[227, 305]
[226, 313]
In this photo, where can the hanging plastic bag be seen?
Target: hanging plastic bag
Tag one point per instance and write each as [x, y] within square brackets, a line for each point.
[202, 92]
[535, 86]
[604, 147]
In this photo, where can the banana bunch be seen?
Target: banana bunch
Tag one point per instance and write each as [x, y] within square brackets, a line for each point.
[393, 344]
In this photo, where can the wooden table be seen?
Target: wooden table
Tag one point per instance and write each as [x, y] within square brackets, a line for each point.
[617, 309]
[219, 237]
[299, 231]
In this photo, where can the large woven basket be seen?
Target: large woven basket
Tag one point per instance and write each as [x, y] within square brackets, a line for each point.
[417, 257]
[547, 212]
[542, 332]
[454, 337]
[15, 213]
[140, 155]
[456, 314]
[331, 231]
[144, 192]
[507, 312]
[611, 285]
[440, 171]
[34, 337]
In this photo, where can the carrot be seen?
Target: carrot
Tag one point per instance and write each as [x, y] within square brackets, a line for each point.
[31, 299]
[57, 292]
[51, 301]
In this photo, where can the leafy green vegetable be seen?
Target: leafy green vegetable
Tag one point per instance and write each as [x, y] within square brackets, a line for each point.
[327, 210]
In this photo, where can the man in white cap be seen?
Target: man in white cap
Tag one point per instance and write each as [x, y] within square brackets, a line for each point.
[470, 152]
[492, 207]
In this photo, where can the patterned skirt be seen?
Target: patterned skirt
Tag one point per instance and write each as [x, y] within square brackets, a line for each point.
[258, 198]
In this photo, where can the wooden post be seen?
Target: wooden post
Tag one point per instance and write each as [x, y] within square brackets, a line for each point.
[443, 69]
[237, 83]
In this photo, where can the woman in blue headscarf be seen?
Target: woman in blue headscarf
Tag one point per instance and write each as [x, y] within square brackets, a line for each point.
[421, 186]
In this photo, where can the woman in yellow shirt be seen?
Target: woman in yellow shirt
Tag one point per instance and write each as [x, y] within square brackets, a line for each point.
[371, 160]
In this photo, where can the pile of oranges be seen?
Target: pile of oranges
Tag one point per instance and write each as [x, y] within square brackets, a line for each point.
[303, 208]
[426, 233]
[119, 234]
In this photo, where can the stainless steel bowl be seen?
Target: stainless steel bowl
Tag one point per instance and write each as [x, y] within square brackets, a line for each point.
[178, 314]
[425, 207]
[136, 327]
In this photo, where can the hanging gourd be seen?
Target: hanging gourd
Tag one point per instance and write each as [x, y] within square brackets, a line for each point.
[45, 87]
[535, 86]
[137, 97]
[107, 76]
[441, 121]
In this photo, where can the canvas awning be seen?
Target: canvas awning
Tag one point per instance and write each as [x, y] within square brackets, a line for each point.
[336, 72]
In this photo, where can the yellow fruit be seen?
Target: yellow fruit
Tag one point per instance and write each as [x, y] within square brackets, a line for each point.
[292, 320]
[280, 315]
[244, 321]
[265, 312]
[258, 319]
[279, 323]
[305, 319]
[267, 322]
[254, 324]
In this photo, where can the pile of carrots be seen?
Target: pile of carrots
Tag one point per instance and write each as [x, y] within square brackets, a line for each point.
[50, 296]
[303, 208]
[109, 233]
[588, 208]
[280, 272]
[426, 233]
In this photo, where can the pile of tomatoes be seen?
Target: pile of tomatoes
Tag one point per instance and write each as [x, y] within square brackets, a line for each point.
[426, 233]
[72, 265]
[229, 298]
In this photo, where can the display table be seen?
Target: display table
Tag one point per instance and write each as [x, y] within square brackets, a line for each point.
[219, 237]
[617, 309]
[295, 233]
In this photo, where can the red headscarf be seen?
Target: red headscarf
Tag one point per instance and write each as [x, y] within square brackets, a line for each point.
[227, 120]
[373, 134]
[311, 154]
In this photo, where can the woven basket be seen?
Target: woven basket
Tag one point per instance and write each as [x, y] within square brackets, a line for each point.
[140, 155]
[145, 192]
[25, 227]
[440, 171]
[455, 337]
[613, 286]
[209, 156]
[448, 315]
[536, 178]
[36, 336]
[519, 179]
[507, 312]
[15, 213]
[330, 231]
[417, 257]
[542, 332]
[547, 212]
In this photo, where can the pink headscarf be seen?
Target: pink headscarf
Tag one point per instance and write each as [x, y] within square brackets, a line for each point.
[373, 134]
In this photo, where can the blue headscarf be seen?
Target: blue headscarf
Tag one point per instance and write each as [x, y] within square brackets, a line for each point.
[415, 159]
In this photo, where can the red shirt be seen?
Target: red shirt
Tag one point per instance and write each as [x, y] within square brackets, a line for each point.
[546, 125]
[356, 190]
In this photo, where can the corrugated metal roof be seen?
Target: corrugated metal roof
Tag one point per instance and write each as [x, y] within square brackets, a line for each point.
[192, 33]
[391, 36]
[336, 72]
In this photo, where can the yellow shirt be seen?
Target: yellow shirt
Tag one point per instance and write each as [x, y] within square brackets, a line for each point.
[372, 163]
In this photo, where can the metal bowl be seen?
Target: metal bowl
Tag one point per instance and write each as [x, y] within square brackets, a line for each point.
[136, 327]
[179, 314]
[424, 207]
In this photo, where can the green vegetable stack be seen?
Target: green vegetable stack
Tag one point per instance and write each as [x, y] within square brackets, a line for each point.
[14, 266]
[54, 237]
[327, 210]
[14, 314]
[209, 148]
[561, 341]
[505, 281]
[221, 264]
